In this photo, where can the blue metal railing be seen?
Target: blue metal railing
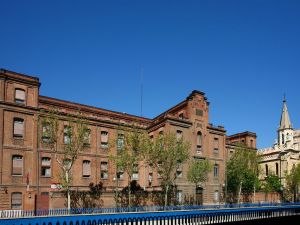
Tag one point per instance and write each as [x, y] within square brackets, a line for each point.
[170, 217]
[61, 212]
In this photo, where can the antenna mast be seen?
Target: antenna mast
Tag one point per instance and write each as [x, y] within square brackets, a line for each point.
[142, 75]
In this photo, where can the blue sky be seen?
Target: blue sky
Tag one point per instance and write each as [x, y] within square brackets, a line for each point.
[243, 54]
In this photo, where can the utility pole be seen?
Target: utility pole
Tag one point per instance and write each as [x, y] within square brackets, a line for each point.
[142, 74]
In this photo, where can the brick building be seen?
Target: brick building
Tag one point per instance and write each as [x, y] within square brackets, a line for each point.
[29, 173]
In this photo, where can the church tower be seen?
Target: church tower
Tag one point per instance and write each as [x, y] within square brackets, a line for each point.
[285, 130]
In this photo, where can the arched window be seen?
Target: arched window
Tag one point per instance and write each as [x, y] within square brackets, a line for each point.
[282, 138]
[277, 169]
[216, 170]
[199, 140]
[267, 170]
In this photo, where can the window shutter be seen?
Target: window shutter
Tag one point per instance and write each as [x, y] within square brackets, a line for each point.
[18, 127]
[46, 161]
[104, 137]
[199, 138]
[86, 168]
[104, 165]
[17, 165]
[16, 200]
[20, 94]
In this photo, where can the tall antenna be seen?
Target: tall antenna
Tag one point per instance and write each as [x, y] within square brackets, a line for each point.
[142, 75]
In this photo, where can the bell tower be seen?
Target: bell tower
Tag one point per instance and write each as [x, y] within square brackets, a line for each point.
[285, 130]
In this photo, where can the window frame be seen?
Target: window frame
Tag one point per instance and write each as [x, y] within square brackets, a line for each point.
[19, 206]
[89, 169]
[12, 166]
[19, 100]
[216, 170]
[16, 135]
[104, 170]
[46, 166]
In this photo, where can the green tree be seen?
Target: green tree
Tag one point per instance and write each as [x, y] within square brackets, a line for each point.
[167, 153]
[129, 155]
[87, 199]
[242, 172]
[272, 184]
[198, 171]
[293, 181]
[75, 133]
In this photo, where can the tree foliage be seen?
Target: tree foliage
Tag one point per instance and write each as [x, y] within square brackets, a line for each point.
[292, 183]
[167, 153]
[74, 131]
[87, 199]
[272, 184]
[130, 144]
[242, 173]
[138, 195]
[198, 171]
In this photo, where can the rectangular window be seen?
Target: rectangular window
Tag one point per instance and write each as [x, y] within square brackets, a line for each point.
[46, 167]
[135, 174]
[216, 145]
[120, 175]
[46, 132]
[178, 135]
[104, 139]
[216, 170]
[18, 128]
[19, 96]
[159, 172]
[67, 134]
[104, 170]
[17, 165]
[199, 141]
[87, 138]
[120, 141]
[67, 163]
[16, 200]
[180, 116]
[150, 179]
[86, 168]
[179, 170]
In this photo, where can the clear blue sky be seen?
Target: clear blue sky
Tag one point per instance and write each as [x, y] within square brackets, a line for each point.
[244, 54]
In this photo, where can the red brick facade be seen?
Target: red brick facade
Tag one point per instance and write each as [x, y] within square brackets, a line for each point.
[28, 168]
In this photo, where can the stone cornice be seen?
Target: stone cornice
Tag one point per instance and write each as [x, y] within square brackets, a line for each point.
[19, 77]
[52, 102]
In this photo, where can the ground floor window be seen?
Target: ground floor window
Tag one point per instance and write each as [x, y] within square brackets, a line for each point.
[16, 200]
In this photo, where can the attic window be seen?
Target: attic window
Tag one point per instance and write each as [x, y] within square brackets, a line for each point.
[180, 116]
[19, 96]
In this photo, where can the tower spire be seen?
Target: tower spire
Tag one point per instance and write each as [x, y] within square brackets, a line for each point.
[285, 122]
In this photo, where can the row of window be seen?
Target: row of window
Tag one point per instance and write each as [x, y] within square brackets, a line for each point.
[276, 169]
[17, 168]
[18, 132]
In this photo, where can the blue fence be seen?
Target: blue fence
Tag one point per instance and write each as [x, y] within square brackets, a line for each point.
[178, 217]
[61, 212]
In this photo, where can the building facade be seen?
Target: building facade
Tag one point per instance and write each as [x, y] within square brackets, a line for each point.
[29, 174]
[285, 152]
